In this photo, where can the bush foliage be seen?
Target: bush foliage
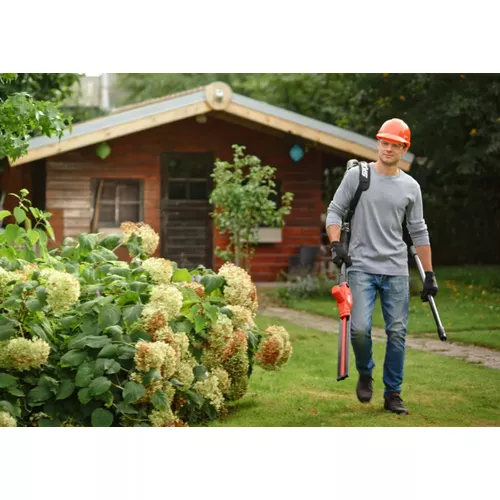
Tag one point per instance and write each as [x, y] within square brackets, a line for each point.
[89, 340]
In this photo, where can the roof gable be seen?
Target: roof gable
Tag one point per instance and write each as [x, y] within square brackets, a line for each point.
[217, 96]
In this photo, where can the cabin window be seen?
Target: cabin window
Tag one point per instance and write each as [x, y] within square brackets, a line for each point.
[115, 201]
[187, 180]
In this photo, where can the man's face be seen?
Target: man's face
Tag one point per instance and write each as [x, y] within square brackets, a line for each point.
[390, 153]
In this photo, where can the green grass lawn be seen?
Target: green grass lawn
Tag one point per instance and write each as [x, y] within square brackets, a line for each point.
[438, 390]
[468, 303]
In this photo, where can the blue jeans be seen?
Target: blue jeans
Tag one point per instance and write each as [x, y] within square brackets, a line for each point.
[394, 295]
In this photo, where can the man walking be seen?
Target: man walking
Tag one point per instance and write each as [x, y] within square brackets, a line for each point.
[379, 258]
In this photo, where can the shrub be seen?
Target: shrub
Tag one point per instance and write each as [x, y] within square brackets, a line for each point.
[86, 339]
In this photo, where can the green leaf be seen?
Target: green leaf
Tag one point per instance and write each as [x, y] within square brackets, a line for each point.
[176, 382]
[19, 214]
[38, 330]
[211, 312]
[111, 241]
[7, 329]
[87, 243]
[160, 400]
[108, 351]
[33, 236]
[200, 372]
[7, 407]
[83, 396]
[73, 358]
[41, 294]
[90, 326]
[11, 233]
[108, 366]
[226, 311]
[42, 237]
[132, 392]
[34, 305]
[125, 409]
[84, 375]
[101, 418]
[212, 283]
[39, 395]
[69, 322]
[181, 275]
[112, 366]
[69, 253]
[15, 391]
[131, 314]
[99, 386]
[97, 341]
[109, 315]
[120, 271]
[138, 286]
[126, 352]
[106, 254]
[4, 213]
[65, 389]
[199, 323]
[7, 380]
[152, 376]
[50, 383]
[195, 398]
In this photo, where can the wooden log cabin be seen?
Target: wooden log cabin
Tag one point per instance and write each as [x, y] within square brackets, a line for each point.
[162, 152]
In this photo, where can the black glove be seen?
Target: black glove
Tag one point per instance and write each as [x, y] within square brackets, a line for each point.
[430, 286]
[339, 254]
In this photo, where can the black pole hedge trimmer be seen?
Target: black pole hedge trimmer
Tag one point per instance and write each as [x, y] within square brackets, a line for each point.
[432, 303]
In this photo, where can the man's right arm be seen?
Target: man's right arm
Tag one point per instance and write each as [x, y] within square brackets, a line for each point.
[340, 203]
[333, 232]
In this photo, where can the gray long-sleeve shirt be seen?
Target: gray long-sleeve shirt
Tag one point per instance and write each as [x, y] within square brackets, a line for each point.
[377, 244]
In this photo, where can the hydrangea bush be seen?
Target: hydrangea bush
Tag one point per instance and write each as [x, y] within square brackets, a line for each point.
[87, 339]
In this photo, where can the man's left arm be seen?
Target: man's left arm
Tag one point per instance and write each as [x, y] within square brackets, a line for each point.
[417, 228]
[425, 255]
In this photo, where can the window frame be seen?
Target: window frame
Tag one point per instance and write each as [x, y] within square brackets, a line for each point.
[116, 203]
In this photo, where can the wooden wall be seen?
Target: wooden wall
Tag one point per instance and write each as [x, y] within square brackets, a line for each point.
[68, 178]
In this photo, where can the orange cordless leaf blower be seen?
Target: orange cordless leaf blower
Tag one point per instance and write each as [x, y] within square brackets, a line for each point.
[342, 294]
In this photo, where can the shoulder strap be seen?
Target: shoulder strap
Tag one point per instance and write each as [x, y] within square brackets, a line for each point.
[364, 184]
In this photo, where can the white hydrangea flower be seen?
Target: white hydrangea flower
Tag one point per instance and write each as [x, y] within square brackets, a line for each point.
[168, 297]
[223, 378]
[154, 318]
[23, 354]
[162, 418]
[184, 371]
[151, 355]
[160, 270]
[239, 290]
[150, 238]
[242, 317]
[209, 389]
[7, 420]
[275, 348]
[63, 289]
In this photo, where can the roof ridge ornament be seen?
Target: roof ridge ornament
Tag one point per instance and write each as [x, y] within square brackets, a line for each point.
[218, 95]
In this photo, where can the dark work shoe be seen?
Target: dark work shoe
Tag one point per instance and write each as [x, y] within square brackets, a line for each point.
[394, 403]
[364, 388]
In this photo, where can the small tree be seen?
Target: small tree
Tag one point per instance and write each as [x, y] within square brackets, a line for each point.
[21, 117]
[242, 203]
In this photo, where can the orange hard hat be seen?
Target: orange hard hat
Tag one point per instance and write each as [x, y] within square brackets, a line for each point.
[395, 130]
